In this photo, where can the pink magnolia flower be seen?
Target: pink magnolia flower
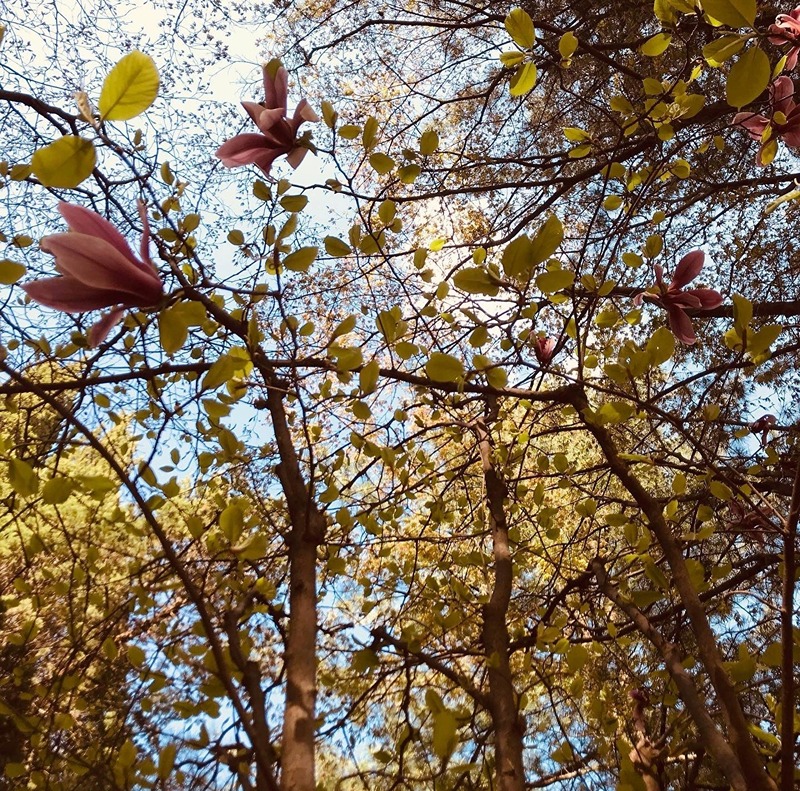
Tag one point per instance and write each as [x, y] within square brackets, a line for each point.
[278, 134]
[783, 123]
[786, 30]
[763, 425]
[675, 300]
[544, 348]
[98, 270]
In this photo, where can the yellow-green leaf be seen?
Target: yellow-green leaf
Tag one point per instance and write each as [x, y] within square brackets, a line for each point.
[524, 80]
[381, 163]
[65, 163]
[734, 13]
[748, 78]
[301, 259]
[721, 49]
[368, 377]
[429, 142]
[567, 45]
[655, 45]
[520, 27]
[336, 247]
[130, 88]
[444, 368]
[555, 280]
[22, 478]
[10, 271]
[474, 280]
[294, 202]
[547, 239]
[517, 258]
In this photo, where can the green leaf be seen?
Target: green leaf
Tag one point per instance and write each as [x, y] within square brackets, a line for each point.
[370, 133]
[130, 88]
[444, 368]
[555, 280]
[444, 733]
[567, 45]
[520, 27]
[655, 45]
[748, 78]
[760, 341]
[524, 79]
[734, 13]
[408, 173]
[349, 131]
[231, 523]
[172, 329]
[368, 377]
[294, 203]
[661, 346]
[65, 163]
[718, 51]
[474, 280]
[22, 478]
[577, 656]
[300, 260]
[429, 142]
[381, 163]
[11, 271]
[547, 239]
[517, 258]
[336, 247]
[57, 490]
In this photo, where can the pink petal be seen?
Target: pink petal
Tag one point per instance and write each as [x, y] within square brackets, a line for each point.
[69, 295]
[688, 269]
[101, 328]
[296, 156]
[754, 124]
[253, 150]
[276, 89]
[99, 265]
[264, 118]
[682, 300]
[681, 326]
[791, 58]
[305, 113]
[708, 297]
[781, 93]
[84, 221]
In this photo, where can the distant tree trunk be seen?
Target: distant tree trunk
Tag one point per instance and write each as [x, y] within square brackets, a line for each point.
[509, 728]
[307, 532]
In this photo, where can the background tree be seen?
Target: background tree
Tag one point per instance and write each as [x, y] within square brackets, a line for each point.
[461, 471]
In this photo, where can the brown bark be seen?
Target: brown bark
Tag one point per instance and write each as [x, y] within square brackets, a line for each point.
[509, 727]
[300, 660]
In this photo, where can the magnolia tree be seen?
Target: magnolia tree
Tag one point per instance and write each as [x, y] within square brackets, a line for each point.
[441, 433]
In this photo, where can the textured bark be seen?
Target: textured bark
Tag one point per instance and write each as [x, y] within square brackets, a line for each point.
[508, 726]
[300, 660]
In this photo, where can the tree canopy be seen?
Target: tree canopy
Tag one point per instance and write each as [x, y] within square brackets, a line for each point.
[426, 421]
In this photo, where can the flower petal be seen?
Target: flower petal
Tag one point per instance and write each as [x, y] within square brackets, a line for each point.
[681, 326]
[753, 123]
[263, 117]
[99, 265]
[781, 92]
[304, 112]
[249, 149]
[69, 295]
[101, 328]
[276, 89]
[688, 269]
[88, 222]
[296, 156]
[708, 297]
